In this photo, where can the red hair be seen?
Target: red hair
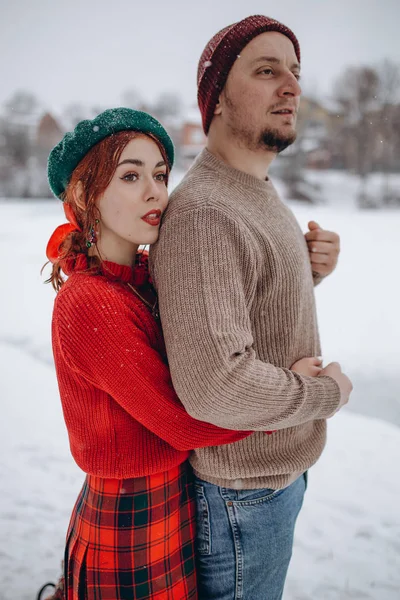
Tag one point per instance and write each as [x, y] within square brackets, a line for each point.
[95, 172]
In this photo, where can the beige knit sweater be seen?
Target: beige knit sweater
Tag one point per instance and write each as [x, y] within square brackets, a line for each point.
[236, 296]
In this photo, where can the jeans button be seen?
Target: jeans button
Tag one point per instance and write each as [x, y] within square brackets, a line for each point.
[229, 503]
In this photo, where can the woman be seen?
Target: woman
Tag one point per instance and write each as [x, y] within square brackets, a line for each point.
[131, 534]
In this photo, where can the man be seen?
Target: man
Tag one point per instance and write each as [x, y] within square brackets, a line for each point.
[235, 286]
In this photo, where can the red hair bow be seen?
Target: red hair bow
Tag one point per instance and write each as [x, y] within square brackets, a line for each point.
[60, 233]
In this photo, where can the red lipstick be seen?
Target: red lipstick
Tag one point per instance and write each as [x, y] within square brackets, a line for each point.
[153, 217]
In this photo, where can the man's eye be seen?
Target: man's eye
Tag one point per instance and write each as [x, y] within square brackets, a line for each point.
[267, 71]
[130, 177]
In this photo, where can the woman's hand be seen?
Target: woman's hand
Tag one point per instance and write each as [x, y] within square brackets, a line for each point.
[311, 366]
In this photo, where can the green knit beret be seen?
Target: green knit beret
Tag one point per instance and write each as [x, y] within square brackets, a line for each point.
[75, 145]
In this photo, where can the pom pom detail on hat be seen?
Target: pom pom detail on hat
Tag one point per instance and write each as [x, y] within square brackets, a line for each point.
[68, 153]
[221, 52]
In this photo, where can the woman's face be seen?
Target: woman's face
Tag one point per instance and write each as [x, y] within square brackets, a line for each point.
[132, 205]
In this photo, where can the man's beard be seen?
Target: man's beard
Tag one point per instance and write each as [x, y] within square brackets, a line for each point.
[276, 141]
[270, 139]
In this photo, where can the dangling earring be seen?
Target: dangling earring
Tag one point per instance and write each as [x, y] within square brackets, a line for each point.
[92, 239]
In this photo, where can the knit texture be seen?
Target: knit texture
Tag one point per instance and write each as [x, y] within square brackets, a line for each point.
[236, 297]
[122, 414]
[221, 52]
[68, 153]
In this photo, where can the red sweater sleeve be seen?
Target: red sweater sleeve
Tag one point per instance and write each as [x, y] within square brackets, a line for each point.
[102, 338]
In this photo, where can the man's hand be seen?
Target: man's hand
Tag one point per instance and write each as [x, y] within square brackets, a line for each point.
[323, 247]
[334, 370]
[310, 366]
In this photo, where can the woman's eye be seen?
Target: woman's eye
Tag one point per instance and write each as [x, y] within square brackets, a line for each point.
[161, 176]
[130, 177]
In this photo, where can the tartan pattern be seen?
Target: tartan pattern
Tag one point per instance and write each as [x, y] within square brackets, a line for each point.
[133, 539]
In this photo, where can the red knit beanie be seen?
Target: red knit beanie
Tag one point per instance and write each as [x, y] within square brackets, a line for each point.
[220, 54]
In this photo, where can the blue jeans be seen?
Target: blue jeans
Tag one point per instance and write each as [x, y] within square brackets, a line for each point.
[244, 540]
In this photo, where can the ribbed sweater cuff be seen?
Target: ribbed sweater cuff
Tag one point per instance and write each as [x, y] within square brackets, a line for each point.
[329, 399]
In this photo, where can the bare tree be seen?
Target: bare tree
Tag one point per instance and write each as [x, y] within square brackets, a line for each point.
[368, 102]
[74, 113]
[19, 113]
[132, 99]
[167, 105]
[357, 96]
[18, 128]
[18, 146]
[21, 103]
[389, 96]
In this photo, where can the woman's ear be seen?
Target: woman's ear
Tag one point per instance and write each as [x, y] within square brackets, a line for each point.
[78, 195]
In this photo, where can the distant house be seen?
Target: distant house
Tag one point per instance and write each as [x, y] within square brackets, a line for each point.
[48, 133]
[28, 138]
[192, 138]
[315, 126]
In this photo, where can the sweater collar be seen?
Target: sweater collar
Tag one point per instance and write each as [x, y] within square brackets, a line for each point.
[137, 275]
[209, 160]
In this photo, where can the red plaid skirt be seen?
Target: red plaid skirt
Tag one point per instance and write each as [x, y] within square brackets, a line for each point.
[133, 538]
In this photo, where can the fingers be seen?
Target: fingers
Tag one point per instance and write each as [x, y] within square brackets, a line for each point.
[330, 259]
[316, 361]
[315, 371]
[315, 366]
[307, 363]
[322, 247]
[321, 269]
[320, 235]
[324, 255]
[312, 225]
[320, 259]
[320, 263]
[335, 365]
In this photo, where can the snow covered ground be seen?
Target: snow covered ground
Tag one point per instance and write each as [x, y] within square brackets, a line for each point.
[348, 536]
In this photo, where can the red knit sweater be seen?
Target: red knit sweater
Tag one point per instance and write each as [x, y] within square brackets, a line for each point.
[122, 414]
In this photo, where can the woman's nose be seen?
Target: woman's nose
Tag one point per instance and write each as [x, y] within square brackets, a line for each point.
[151, 192]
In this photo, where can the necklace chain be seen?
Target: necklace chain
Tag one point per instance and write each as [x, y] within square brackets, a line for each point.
[152, 307]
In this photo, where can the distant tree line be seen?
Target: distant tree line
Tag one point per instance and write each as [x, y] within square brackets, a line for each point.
[28, 132]
[369, 132]
[357, 130]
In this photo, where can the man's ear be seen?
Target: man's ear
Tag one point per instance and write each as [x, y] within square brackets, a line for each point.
[218, 107]
[78, 195]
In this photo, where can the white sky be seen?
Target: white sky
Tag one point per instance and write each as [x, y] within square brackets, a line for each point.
[90, 51]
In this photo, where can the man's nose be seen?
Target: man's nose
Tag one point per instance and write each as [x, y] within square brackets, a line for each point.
[290, 87]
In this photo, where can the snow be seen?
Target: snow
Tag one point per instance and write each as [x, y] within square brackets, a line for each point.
[339, 189]
[347, 543]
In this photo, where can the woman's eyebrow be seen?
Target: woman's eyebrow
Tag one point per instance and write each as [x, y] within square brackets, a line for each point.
[139, 163]
[132, 161]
